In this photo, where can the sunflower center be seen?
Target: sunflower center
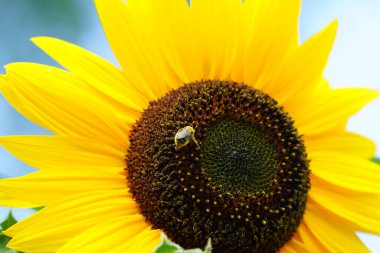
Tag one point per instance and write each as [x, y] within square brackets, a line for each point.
[239, 157]
[219, 160]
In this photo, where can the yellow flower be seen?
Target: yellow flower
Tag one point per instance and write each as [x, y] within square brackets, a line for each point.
[218, 124]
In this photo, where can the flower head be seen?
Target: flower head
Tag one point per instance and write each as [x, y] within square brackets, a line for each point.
[218, 125]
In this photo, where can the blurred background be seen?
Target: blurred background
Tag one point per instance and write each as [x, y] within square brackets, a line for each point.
[354, 61]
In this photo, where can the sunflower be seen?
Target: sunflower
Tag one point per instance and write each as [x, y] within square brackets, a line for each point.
[217, 125]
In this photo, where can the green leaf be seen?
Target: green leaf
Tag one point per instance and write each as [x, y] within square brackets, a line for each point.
[8, 222]
[376, 160]
[168, 247]
[37, 208]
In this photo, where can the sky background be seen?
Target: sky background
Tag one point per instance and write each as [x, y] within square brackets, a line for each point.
[354, 61]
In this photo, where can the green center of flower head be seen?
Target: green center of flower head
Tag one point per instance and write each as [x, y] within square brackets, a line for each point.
[239, 157]
[219, 160]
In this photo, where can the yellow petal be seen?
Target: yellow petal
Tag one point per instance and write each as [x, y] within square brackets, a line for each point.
[331, 110]
[294, 246]
[309, 240]
[55, 225]
[173, 34]
[97, 73]
[44, 188]
[2, 79]
[342, 142]
[31, 249]
[65, 153]
[334, 234]
[175, 44]
[58, 101]
[107, 234]
[144, 242]
[361, 210]
[346, 171]
[302, 71]
[267, 34]
[130, 32]
[8, 201]
[214, 37]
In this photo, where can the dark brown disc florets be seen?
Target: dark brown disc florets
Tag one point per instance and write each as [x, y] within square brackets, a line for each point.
[245, 187]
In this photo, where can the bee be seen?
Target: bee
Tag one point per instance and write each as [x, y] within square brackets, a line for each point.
[184, 136]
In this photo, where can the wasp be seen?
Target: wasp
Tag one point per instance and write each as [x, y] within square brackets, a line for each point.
[184, 136]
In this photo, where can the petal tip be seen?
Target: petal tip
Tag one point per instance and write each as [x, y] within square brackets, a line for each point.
[39, 41]
[8, 232]
[331, 29]
[370, 94]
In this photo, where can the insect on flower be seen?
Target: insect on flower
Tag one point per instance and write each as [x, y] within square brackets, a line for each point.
[184, 136]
